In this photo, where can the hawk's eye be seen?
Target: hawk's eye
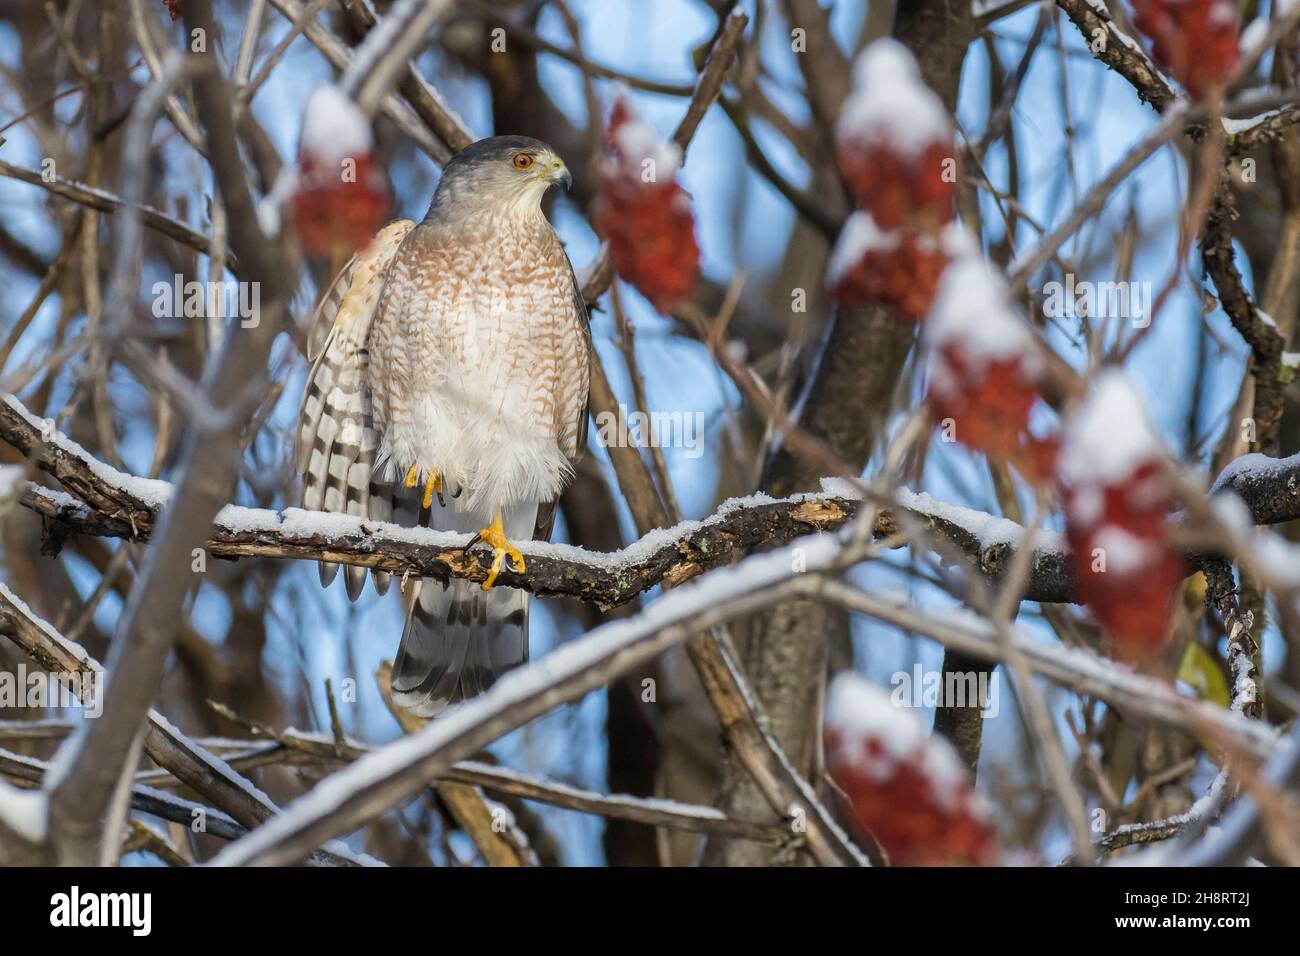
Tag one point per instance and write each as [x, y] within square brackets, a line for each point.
[523, 160]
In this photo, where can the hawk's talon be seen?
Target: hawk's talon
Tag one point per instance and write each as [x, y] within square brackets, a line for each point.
[433, 484]
[495, 536]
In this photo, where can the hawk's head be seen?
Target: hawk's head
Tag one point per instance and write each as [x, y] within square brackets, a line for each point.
[504, 174]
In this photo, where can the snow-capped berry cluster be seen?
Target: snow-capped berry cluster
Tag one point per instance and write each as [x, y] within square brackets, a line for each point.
[893, 140]
[1118, 497]
[907, 789]
[894, 148]
[984, 389]
[644, 212]
[1193, 40]
[340, 196]
[985, 371]
[898, 269]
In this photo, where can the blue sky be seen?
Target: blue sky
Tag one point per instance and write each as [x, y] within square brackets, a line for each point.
[742, 225]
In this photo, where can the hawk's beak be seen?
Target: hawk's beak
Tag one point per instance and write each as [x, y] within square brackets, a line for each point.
[559, 173]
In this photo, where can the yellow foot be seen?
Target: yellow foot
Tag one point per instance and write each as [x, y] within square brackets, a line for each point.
[432, 485]
[495, 536]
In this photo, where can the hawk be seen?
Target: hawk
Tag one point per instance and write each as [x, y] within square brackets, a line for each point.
[448, 389]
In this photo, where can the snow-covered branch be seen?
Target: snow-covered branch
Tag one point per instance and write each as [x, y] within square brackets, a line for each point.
[1269, 487]
[385, 777]
[1243, 831]
[189, 762]
[106, 202]
[1124, 55]
[103, 501]
[292, 746]
[1131, 692]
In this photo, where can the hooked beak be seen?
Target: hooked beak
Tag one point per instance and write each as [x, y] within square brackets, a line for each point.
[559, 173]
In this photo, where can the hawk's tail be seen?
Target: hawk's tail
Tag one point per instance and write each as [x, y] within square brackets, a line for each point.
[457, 641]
[458, 638]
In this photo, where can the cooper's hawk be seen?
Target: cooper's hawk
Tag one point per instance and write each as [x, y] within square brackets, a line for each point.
[448, 388]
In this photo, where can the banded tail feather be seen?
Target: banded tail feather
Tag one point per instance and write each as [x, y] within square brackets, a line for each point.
[458, 639]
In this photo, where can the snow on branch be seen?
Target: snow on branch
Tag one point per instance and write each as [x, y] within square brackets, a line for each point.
[1125, 55]
[102, 501]
[185, 759]
[106, 202]
[1133, 693]
[385, 777]
[293, 746]
[1270, 487]
[23, 813]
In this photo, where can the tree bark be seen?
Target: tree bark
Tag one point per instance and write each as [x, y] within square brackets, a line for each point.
[846, 405]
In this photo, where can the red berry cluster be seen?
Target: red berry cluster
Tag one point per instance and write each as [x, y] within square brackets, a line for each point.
[1118, 498]
[334, 216]
[985, 381]
[898, 269]
[986, 371]
[644, 212]
[902, 187]
[993, 401]
[894, 148]
[1193, 40]
[340, 196]
[906, 789]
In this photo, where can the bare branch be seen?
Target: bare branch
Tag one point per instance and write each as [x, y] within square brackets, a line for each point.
[103, 201]
[187, 761]
[293, 744]
[89, 800]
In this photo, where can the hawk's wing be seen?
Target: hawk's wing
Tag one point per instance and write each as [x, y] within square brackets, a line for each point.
[546, 510]
[336, 438]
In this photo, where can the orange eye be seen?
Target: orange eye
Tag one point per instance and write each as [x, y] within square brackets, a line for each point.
[523, 161]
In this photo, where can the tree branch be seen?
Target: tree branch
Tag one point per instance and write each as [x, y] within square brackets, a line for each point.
[107, 503]
[88, 801]
[103, 201]
[191, 764]
[293, 745]
[1119, 51]
[386, 777]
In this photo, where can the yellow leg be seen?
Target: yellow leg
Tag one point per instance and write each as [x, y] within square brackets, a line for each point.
[495, 535]
[432, 484]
